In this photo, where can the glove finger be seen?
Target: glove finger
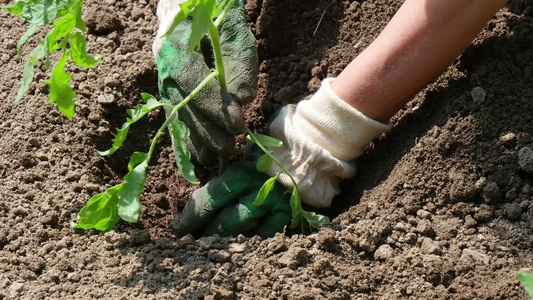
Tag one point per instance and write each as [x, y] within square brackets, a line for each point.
[235, 219]
[180, 72]
[239, 52]
[239, 179]
[277, 218]
[243, 217]
[207, 141]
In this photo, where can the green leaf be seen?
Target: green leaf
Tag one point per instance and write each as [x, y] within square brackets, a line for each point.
[264, 162]
[315, 220]
[61, 29]
[140, 110]
[101, 211]
[265, 140]
[135, 114]
[16, 9]
[179, 133]
[201, 19]
[60, 91]
[527, 282]
[29, 72]
[118, 140]
[129, 205]
[185, 9]
[296, 208]
[29, 33]
[78, 52]
[265, 190]
[135, 159]
[41, 12]
[218, 8]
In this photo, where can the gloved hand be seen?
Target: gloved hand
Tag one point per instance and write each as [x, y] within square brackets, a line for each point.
[214, 115]
[225, 206]
[322, 138]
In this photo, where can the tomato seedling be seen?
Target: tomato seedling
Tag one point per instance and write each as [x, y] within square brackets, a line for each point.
[104, 210]
[62, 37]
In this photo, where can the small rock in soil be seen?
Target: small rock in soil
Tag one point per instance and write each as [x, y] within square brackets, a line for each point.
[326, 239]
[277, 245]
[140, 237]
[106, 99]
[492, 193]
[293, 258]
[525, 159]
[219, 256]
[237, 248]
[512, 211]
[484, 213]
[101, 19]
[429, 247]
[34, 142]
[478, 94]
[475, 256]
[383, 253]
[284, 95]
[470, 222]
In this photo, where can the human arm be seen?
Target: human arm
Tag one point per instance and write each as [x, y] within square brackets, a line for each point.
[321, 144]
[420, 41]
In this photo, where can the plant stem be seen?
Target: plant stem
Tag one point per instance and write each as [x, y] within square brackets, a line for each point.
[219, 64]
[224, 13]
[175, 109]
[267, 152]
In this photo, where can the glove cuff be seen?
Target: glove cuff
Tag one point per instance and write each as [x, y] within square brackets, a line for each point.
[166, 11]
[335, 125]
[322, 137]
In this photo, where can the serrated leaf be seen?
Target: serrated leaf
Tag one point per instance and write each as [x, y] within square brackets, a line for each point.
[201, 19]
[122, 132]
[30, 31]
[40, 12]
[185, 9]
[264, 162]
[129, 205]
[60, 91]
[101, 211]
[315, 220]
[179, 133]
[140, 110]
[265, 140]
[61, 29]
[265, 190]
[78, 52]
[527, 282]
[135, 114]
[29, 72]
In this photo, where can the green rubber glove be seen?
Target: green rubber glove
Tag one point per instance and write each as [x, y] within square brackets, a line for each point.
[214, 115]
[224, 206]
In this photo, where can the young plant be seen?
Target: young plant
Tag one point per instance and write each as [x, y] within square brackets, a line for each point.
[104, 210]
[299, 215]
[65, 15]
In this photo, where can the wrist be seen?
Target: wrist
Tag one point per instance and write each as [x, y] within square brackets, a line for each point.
[335, 125]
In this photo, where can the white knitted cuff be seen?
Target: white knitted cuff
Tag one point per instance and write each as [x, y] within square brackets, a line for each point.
[335, 125]
[166, 11]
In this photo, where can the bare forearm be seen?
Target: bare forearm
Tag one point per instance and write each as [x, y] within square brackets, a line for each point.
[421, 40]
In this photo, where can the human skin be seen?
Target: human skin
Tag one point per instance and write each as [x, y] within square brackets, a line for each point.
[421, 40]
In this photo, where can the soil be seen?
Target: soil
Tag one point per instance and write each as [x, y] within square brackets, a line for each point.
[440, 207]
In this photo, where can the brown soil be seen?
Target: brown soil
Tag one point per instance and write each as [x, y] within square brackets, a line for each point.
[415, 222]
